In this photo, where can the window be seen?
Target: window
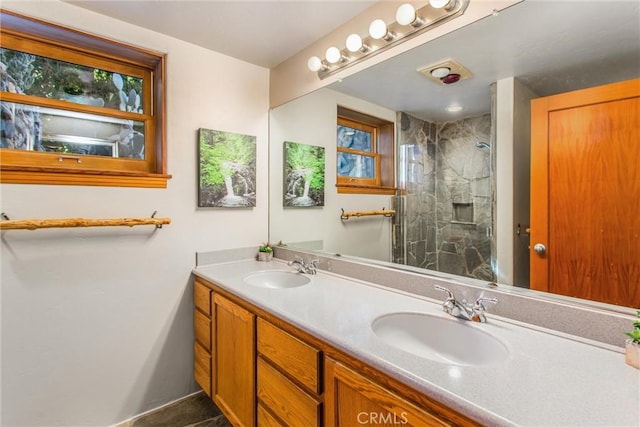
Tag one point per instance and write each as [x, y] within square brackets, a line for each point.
[78, 109]
[365, 154]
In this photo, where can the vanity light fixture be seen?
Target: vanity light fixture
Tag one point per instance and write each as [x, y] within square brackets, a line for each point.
[333, 55]
[453, 108]
[440, 4]
[410, 22]
[315, 64]
[406, 15]
[379, 30]
[354, 44]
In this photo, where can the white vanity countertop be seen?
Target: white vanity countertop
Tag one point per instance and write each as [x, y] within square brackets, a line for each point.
[548, 380]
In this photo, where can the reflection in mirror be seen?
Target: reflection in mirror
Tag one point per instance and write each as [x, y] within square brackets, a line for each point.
[463, 175]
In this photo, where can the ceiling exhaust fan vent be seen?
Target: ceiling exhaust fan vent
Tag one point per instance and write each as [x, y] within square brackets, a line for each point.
[445, 72]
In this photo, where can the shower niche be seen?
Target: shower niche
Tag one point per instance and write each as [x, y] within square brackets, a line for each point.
[463, 213]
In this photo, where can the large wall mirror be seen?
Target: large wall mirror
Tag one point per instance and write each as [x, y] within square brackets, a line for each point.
[462, 208]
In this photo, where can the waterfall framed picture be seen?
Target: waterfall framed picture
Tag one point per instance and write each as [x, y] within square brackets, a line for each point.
[227, 169]
[303, 175]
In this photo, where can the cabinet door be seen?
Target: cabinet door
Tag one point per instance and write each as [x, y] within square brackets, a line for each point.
[233, 354]
[351, 400]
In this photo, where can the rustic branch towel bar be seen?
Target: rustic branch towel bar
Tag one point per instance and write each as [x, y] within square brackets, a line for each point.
[346, 215]
[33, 224]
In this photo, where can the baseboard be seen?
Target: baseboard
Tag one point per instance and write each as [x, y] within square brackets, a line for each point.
[129, 422]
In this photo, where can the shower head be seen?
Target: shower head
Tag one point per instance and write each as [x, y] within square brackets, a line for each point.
[483, 145]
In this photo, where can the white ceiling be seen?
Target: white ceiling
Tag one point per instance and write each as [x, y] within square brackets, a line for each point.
[551, 46]
[263, 32]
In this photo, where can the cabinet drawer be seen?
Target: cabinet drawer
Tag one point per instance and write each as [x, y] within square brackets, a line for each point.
[291, 355]
[202, 297]
[265, 419]
[202, 329]
[286, 400]
[202, 368]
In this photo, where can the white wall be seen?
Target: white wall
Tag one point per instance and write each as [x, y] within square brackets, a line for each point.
[311, 120]
[513, 148]
[504, 226]
[522, 181]
[97, 323]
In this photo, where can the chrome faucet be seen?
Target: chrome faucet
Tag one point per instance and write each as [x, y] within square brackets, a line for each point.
[303, 267]
[463, 310]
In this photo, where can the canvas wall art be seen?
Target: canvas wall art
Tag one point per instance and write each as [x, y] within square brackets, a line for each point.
[227, 169]
[303, 175]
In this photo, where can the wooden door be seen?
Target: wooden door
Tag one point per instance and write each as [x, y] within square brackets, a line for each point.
[585, 193]
[233, 360]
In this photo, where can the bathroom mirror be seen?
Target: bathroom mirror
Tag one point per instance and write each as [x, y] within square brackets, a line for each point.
[531, 49]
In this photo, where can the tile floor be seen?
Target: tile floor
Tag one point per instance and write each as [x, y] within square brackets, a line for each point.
[194, 411]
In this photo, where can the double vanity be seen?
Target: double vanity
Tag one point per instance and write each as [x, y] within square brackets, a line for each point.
[275, 346]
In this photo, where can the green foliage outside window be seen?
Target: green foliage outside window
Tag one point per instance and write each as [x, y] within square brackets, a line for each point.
[50, 78]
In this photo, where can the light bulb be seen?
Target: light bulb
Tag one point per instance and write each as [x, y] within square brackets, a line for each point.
[354, 43]
[378, 29]
[314, 63]
[439, 4]
[440, 72]
[333, 55]
[406, 14]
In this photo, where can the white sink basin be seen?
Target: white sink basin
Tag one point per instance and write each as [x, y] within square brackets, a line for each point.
[276, 279]
[440, 339]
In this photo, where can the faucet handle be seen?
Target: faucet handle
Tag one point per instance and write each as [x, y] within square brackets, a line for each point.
[450, 295]
[479, 309]
[449, 303]
[480, 302]
[296, 259]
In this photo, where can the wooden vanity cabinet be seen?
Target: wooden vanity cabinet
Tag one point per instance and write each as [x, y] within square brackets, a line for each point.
[224, 353]
[352, 399]
[233, 361]
[261, 371]
[289, 383]
[202, 331]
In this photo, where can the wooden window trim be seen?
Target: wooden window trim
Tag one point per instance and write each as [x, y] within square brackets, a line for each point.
[20, 33]
[373, 131]
[383, 151]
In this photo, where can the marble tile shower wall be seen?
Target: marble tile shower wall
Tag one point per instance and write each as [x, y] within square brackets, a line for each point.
[444, 219]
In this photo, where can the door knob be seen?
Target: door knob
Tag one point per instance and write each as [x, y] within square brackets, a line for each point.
[540, 249]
